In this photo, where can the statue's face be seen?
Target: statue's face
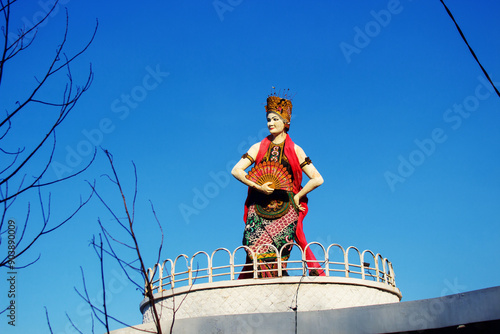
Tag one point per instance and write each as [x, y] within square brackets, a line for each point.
[275, 123]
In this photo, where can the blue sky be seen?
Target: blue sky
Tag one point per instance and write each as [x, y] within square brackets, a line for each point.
[390, 106]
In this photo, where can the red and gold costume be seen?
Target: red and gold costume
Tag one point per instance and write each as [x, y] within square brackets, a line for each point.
[274, 219]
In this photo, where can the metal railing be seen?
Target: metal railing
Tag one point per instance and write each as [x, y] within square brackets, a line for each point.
[170, 274]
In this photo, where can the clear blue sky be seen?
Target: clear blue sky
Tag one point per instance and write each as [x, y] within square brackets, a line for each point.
[390, 106]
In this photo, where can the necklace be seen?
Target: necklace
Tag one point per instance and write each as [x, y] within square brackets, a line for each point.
[275, 152]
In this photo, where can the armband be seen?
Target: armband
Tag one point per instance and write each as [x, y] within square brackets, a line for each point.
[306, 162]
[246, 155]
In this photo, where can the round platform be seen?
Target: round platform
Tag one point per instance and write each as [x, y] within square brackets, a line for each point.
[206, 284]
[269, 295]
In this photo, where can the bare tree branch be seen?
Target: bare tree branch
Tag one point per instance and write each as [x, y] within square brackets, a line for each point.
[108, 248]
[44, 230]
[96, 310]
[15, 181]
[48, 320]
[101, 258]
[73, 324]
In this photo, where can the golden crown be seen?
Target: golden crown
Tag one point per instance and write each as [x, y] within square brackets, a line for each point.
[280, 105]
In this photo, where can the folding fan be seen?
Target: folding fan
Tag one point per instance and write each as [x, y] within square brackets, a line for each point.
[271, 171]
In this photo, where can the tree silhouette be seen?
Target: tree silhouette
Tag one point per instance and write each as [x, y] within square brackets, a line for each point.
[24, 160]
[125, 250]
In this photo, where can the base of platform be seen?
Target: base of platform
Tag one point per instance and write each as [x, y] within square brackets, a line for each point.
[282, 294]
[471, 312]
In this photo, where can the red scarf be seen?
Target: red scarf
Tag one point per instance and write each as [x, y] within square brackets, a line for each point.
[300, 238]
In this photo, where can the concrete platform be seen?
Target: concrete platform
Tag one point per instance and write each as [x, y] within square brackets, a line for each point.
[471, 312]
[269, 296]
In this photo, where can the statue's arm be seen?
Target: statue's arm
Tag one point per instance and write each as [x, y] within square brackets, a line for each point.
[239, 173]
[315, 178]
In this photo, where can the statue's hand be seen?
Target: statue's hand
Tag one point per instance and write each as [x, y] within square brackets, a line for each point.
[296, 199]
[266, 188]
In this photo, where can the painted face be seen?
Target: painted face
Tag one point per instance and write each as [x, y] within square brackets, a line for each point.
[275, 123]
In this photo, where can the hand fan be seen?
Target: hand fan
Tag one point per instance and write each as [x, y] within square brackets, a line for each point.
[271, 171]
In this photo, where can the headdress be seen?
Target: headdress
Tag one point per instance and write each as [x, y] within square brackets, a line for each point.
[281, 104]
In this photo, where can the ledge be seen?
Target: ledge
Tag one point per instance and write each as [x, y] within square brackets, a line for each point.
[254, 296]
[281, 280]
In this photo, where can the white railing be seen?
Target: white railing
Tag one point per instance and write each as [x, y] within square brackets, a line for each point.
[184, 271]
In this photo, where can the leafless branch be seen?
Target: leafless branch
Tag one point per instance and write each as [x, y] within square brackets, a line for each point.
[15, 181]
[161, 230]
[107, 248]
[48, 320]
[96, 311]
[101, 259]
[43, 231]
[73, 324]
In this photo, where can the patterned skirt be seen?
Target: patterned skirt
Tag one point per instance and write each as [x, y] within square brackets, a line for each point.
[270, 221]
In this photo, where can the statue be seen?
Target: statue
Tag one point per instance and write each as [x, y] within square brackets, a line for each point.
[276, 203]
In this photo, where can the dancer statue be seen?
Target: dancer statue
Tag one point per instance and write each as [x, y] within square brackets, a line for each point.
[276, 203]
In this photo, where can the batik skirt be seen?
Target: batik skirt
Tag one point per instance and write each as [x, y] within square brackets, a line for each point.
[271, 220]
